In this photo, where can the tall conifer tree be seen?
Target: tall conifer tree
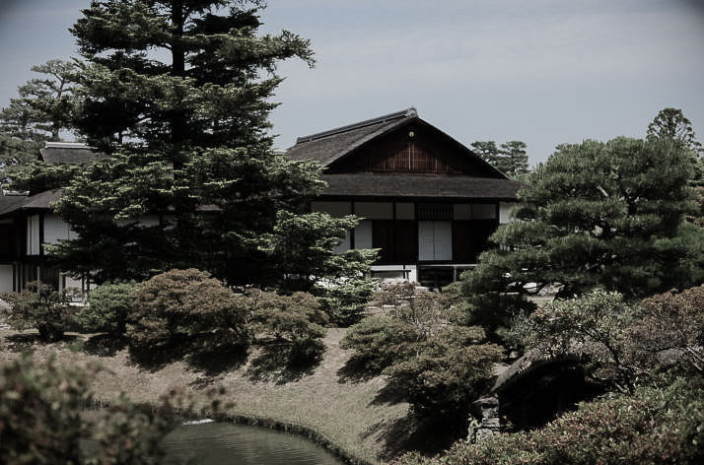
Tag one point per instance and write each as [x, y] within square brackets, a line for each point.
[178, 93]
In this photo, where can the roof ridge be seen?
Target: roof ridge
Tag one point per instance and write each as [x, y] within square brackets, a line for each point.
[407, 113]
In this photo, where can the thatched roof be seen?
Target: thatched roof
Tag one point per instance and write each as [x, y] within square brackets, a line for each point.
[328, 146]
[56, 153]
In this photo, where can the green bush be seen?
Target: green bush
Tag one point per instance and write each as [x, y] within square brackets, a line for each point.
[43, 423]
[436, 366]
[446, 372]
[623, 344]
[594, 326]
[673, 322]
[41, 307]
[294, 323]
[187, 308]
[345, 301]
[652, 427]
[394, 293]
[107, 309]
[378, 342]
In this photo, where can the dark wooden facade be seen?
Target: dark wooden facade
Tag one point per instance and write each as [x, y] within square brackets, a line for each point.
[436, 201]
[412, 149]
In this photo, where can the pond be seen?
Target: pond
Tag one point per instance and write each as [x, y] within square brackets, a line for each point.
[230, 444]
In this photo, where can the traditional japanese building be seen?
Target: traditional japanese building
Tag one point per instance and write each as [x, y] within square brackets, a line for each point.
[428, 202]
[28, 224]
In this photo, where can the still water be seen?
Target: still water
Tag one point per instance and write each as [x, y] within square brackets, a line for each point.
[231, 444]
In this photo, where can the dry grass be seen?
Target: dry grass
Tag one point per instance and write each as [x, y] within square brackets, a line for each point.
[342, 411]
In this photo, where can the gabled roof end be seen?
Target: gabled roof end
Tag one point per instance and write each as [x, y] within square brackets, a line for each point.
[407, 113]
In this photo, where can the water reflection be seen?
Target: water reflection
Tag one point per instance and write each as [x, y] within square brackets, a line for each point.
[230, 444]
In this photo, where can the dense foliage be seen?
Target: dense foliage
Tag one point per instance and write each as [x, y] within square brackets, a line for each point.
[510, 157]
[623, 344]
[178, 94]
[42, 307]
[673, 323]
[293, 324]
[108, 308]
[595, 214]
[670, 123]
[188, 309]
[345, 299]
[40, 113]
[42, 406]
[436, 366]
[652, 427]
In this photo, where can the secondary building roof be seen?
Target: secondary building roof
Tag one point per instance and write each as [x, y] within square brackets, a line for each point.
[56, 153]
[10, 203]
[41, 201]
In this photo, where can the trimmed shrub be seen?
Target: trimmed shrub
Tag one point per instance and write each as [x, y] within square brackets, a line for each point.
[673, 322]
[295, 323]
[623, 344]
[188, 308]
[594, 326]
[107, 309]
[378, 342]
[436, 366]
[652, 427]
[345, 301]
[41, 307]
[394, 293]
[42, 407]
[446, 372]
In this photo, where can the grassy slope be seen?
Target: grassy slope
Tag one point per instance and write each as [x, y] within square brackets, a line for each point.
[344, 412]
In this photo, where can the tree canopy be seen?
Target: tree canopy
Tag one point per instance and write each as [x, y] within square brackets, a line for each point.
[510, 157]
[595, 214]
[178, 94]
[670, 123]
[40, 113]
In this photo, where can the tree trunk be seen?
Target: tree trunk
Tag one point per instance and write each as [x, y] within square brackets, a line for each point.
[178, 69]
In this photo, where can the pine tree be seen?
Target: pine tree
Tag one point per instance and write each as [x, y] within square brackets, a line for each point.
[192, 179]
[514, 157]
[510, 158]
[488, 151]
[670, 123]
[41, 112]
[594, 215]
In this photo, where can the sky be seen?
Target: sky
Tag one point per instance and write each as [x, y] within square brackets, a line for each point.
[542, 71]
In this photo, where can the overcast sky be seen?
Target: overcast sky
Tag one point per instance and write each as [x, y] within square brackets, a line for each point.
[542, 71]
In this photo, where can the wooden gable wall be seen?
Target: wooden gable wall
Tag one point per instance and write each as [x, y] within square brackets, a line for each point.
[426, 151]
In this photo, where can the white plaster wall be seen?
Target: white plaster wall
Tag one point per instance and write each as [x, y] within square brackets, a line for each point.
[335, 209]
[506, 212]
[33, 235]
[6, 278]
[374, 210]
